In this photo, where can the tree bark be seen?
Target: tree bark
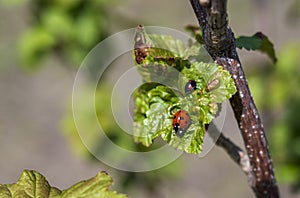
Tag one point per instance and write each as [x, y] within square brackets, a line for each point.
[220, 43]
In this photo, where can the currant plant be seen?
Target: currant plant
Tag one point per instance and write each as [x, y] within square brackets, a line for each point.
[166, 66]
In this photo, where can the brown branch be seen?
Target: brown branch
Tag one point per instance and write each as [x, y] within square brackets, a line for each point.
[219, 41]
[235, 152]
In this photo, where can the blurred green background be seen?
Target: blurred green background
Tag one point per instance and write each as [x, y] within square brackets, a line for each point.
[42, 44]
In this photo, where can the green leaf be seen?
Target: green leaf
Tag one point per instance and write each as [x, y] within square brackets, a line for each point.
[94, 187]
[167, 61]
[151, 111]
[30, 184]
[87, 30]
[174, 48]
[58, 23]
[156, 104]
[160, 58]
[212, 79]
[192, 140]
[248, 42]
[266, 46]
[75, 27]
[33, 184]
[34, 44]
[259, 42]
[156, 55]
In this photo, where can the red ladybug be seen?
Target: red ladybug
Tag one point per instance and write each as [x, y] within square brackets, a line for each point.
[181, 122]
[190, 86]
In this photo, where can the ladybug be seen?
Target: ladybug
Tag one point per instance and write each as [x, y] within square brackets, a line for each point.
[181, 122]
[190, 86]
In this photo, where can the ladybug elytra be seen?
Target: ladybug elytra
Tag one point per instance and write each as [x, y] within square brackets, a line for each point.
[181, 122]
[190, 86]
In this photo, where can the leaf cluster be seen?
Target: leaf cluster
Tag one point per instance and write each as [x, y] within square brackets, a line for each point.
[166, 68]
[67, 29]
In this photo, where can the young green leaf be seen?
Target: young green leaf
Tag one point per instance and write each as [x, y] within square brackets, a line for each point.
[32, 184]
[211, 79]
[155, 106]
[163, 49]
[158, 101]
[259, 42]
[151, 117]
[160, 58]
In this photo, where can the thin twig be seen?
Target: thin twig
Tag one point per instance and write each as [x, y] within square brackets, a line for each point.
[234, 151]
[219, 41]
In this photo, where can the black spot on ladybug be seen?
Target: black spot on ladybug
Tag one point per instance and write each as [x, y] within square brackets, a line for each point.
[181, 122]
[190, 86]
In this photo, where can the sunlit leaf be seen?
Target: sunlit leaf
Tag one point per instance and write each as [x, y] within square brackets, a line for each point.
[32, 184]
[156, 103]
[95, 187]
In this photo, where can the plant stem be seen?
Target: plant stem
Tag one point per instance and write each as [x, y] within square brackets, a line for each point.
[219, 42]
[234, 151]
